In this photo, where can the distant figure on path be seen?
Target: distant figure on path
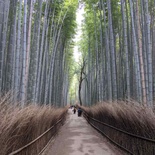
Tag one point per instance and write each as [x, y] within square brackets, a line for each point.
[74, 110]
[79, 112]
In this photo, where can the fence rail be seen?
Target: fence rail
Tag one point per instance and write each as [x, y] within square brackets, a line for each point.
[39, 137]
[88, 118]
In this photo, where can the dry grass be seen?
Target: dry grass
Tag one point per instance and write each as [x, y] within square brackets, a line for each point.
[132, 118]
[20, 126]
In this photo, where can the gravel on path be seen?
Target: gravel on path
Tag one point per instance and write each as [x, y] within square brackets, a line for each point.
[77, 137]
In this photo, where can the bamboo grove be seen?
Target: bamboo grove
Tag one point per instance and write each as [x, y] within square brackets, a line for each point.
[118, 51]
[35, 49]
[117, 45]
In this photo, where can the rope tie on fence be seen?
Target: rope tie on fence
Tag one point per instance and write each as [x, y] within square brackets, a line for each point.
[32, 142]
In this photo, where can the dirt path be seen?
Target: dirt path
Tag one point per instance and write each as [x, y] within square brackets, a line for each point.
[76, 137]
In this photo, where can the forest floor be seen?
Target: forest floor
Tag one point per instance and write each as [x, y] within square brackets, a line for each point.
[77, 137]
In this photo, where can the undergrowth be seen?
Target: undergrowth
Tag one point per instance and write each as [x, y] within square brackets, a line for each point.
[19, 126]
[132, 118]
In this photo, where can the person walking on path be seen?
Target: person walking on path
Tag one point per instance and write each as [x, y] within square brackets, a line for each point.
[79, 112]
[74, 110]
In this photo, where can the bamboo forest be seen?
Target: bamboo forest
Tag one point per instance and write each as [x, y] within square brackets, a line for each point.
[96, 57]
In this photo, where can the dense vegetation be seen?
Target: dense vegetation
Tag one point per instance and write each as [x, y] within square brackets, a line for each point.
[36, 50]
[118, 50]
[118, 64]
[21, 126]
[130, 126]
[36, 46]
[37, 67]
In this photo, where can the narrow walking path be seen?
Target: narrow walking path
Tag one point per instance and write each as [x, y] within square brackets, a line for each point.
[77, 137]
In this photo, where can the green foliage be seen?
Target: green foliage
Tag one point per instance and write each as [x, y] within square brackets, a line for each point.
[69, 24]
